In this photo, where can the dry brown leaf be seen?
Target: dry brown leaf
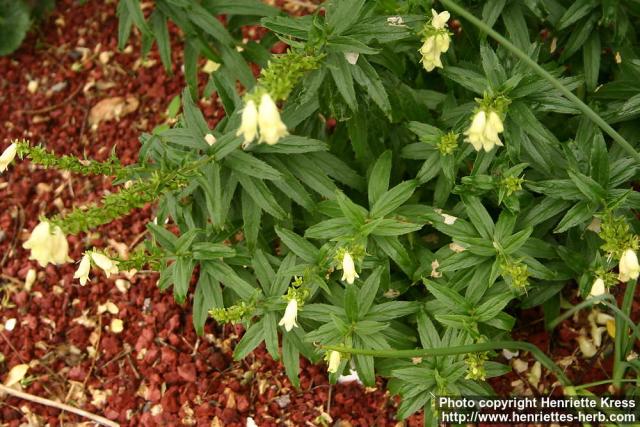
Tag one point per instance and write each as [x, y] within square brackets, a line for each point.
[112, 108]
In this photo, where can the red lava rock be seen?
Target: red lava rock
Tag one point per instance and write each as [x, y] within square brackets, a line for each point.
[187, 372]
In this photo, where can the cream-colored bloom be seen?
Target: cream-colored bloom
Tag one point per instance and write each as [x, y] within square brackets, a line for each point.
[210, 139]
[105, 263]
[351, 57]
[334, 362]
[628, 267]
[439, 20]
[7, 156]
[83, 270]
[348, 269]
[597, 288]
[249, 125]
[210, 67]
[484, 130]
[269, 121]
[290, 315]
[47, 245]
[434, 46]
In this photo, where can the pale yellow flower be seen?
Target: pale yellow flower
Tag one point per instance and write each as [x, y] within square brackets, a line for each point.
[334, 362]
[271, 126]
[290, 315]
[105, 263]
[7, 156]
[249, 124]
[83, 270]
[47, 245]
[484, 130]
[628, 267]
[348, 269]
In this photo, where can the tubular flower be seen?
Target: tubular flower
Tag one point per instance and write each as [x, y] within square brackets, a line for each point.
[83, 270]
[334, 362]
[47, 245]
[269, 121]
[7, 156]
[628, 267]
[105, 263]
[348, 269]
[249, 125]
[484, 130]
[437, 41]
[290, 315]
[597, 288]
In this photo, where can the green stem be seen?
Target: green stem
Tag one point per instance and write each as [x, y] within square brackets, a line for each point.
[546, 75]
[620, 347]
[601, 382]
[463, 349]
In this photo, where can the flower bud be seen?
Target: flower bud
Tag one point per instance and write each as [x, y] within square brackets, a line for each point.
[334, 362]
[290, 315]
[628, 267]
[7, 156]
[47, 245]
[348, 269]
[83, 270]
[269, 121]
[249, 124]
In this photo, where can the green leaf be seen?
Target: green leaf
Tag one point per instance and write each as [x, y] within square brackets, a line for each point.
[330, 229]
[135, 11]
[368, 292]
[491, 307]
[161, 34]
[261, 194]
[239, 7]
[182, 272]
[393, 199]
[291, 358]
[271, 334]
[577, 10]
[356, 214]
[392, 227]
[447, 296]
[342, 14]
[225, 274]
[349, 44]
[125, 24]
[587, 186]
[166, 238]
[591, 58]
[578, 214]
[250, 340]
[466, 78]
[207, 296]
[298, 245]
[209, 23]
[515, 241]
[341, 73]
[379, 177]
[211, 251]
[251, 215]
[368, 78]
[249, 165]
[479, 216]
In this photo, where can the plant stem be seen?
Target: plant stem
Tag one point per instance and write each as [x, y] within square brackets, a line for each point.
[546, 75]
[620, 347]
[463, 349]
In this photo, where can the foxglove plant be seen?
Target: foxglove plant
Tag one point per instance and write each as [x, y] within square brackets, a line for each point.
[378, 208]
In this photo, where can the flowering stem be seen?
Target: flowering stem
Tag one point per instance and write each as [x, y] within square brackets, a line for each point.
[620, 345]
[546, 75]
[463, 349]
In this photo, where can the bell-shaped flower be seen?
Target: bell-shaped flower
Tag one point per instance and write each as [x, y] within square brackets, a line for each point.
[47, 245]
[434, 46]
[484, 130]
[83, 270]
[348, 269]
[439, 20]
[290, 315]
[334, 362]
[598, 288]
[271, 126]
[105, 263]
[7, 156]
[249, 124]
[628, 267]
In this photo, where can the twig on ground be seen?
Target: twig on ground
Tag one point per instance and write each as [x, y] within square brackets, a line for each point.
[58, 405]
